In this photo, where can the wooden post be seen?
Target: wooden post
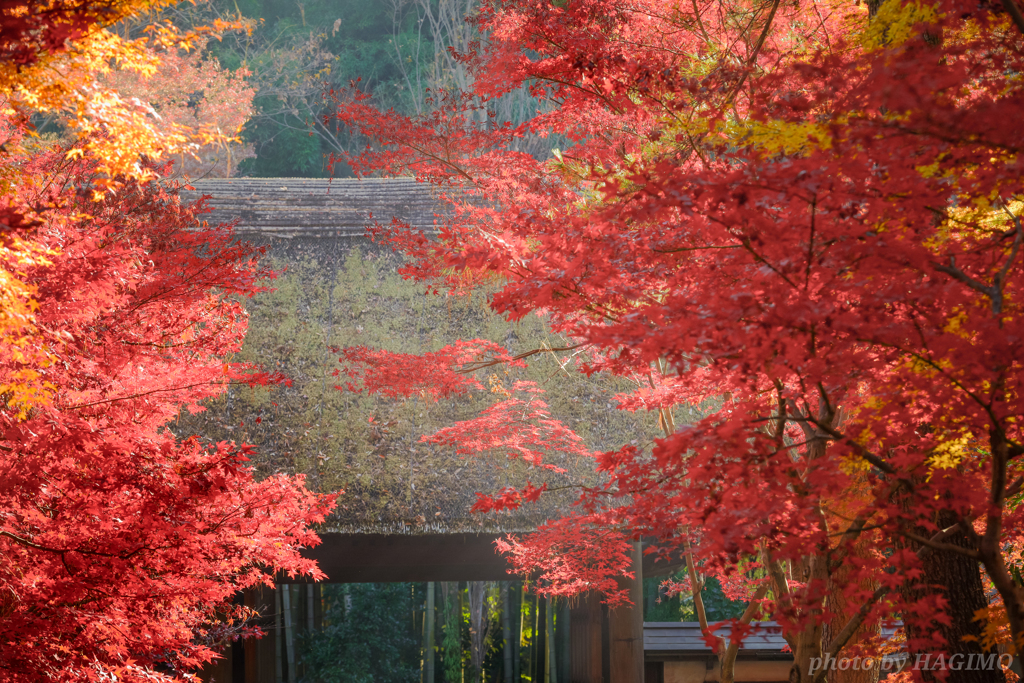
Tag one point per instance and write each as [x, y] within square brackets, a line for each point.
[626, 628]
[585, 625]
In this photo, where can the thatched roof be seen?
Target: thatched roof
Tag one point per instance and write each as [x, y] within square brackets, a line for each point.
[336, 291]
[289, 207]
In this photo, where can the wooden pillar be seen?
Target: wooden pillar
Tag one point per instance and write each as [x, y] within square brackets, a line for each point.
[585, 623]
[266, 650]
[626, 628]
[251, 645]
[562, 631]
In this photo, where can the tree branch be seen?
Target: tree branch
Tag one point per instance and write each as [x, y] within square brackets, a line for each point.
[1014, 11]
[757, 50]
[728, 658]
[843, 637]
[473, 367]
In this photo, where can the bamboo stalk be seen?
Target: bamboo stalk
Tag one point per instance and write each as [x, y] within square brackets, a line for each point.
[428, 622]
[506, 629]
[517, 646]
[289, 632]
[551, 672]
[309, 608]
[536, 645]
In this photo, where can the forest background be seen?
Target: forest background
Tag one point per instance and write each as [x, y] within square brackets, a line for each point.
[299, 51]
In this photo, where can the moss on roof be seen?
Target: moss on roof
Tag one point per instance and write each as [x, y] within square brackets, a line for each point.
[336, 292]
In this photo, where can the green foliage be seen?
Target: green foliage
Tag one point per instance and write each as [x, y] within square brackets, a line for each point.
[285, 149]
[297, 51]
[367, 637]
[680, 607]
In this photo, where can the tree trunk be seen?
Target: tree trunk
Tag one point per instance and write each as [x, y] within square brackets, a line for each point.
[838, 603]
[959, 579]
[806, 644]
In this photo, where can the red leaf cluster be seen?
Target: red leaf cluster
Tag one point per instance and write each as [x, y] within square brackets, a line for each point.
[808, 223]
[123, 545]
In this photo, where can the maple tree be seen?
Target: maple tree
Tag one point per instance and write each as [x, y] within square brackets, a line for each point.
[58, 54]
[804, 218]
[123, 545]
[206, 104]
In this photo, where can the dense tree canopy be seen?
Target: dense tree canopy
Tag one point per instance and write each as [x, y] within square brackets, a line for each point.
[122, 546]
[804, 218]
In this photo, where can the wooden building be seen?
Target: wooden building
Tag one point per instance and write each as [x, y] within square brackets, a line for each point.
[405, 513]
[676, 652]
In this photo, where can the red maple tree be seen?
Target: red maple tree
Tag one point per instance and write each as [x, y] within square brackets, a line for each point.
[804, 218]
[123, 546]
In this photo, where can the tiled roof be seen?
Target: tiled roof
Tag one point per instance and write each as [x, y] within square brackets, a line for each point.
[684, 637]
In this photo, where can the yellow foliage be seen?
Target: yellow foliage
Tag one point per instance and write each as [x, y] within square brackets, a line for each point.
[895, 23]
[788, 137]
[24, 388]
[117, 132]
[976, 218]
[995, 629]
[951, 451]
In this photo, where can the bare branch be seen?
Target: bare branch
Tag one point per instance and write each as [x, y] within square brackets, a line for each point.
[728, 661]
[937, 545]
[696, 587]
[473, 367]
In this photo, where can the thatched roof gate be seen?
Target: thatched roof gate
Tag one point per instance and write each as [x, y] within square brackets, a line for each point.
[405, 512]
